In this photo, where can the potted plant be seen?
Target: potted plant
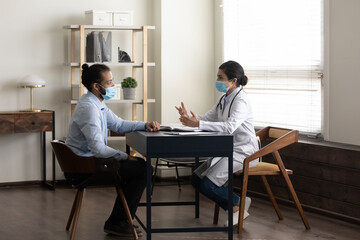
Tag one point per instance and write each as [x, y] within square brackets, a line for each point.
[128, 85]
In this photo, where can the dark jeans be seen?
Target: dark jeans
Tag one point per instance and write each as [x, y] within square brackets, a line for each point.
[133, 174]
[213, 192]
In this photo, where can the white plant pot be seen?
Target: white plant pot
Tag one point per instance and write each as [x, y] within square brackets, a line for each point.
[129, 93]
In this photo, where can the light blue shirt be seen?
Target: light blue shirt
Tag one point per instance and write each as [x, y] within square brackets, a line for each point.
[88, 128]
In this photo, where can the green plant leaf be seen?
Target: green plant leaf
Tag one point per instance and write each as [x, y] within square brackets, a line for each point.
[129, 82]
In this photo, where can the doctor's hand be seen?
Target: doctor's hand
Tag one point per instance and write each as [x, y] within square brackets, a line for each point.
[182, 110]
[152, 126]
[192, 121]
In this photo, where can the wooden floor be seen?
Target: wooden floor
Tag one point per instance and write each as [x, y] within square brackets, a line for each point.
[36, 213]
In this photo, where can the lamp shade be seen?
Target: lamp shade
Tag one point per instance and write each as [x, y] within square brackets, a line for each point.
[31, 81]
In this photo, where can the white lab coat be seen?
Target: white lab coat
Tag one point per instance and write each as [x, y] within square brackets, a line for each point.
[240, 124]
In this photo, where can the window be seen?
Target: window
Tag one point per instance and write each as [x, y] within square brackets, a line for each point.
[280, 45]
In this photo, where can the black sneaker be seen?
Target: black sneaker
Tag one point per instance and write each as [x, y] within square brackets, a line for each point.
[123, 229]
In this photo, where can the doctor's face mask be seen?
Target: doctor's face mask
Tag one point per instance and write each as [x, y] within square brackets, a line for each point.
[220, 86]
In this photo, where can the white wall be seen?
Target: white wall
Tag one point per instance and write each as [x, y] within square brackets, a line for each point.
[33, 41]
[37, 44]
[187, 57]
[183, 47]
[344, 97]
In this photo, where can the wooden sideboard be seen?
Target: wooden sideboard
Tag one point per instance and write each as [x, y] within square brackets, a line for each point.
[29, 122]
[326, 178]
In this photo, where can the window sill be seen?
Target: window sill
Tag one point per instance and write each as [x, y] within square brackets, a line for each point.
[321, 142]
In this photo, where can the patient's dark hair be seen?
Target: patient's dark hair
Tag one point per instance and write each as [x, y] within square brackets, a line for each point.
[92, 74]
[233, 70]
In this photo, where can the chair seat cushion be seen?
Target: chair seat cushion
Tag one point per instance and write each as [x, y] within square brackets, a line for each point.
[264, 166]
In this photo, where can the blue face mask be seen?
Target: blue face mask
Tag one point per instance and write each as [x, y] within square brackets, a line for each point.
[220, 86]
[110, 92]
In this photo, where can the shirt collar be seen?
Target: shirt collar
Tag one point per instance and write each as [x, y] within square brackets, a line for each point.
[94, 99]
[226, 98]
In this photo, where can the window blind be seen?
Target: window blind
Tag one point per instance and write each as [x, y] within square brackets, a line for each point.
[280, 45]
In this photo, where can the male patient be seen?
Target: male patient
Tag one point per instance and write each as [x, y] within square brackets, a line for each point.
[88, 137]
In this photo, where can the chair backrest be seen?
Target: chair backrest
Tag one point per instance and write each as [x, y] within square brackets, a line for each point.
[283, 137]
[70, 162]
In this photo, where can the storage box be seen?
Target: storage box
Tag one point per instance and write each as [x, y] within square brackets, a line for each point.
[97, 17]
[118, 91]
[124, 18]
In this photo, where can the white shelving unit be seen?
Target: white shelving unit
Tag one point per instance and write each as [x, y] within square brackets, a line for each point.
[143, 64]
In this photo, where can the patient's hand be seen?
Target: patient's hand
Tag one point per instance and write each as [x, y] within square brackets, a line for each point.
[152, 126]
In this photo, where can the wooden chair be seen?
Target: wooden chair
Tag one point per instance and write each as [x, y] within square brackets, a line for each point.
[282, 138]
[97, 169]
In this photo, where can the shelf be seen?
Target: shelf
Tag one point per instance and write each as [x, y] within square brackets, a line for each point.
[77, 58]
[115, 64]
[136, 101]
[94, 27]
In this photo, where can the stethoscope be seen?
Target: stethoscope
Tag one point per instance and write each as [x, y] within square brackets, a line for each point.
[219, 104]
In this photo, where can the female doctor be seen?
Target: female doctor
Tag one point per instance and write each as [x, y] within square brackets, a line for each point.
[232, 114]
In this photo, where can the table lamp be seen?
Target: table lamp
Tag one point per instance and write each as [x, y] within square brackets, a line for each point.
[31, 81]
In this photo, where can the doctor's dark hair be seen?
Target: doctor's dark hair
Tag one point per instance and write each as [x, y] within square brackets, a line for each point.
[232, 70]
[92, 74]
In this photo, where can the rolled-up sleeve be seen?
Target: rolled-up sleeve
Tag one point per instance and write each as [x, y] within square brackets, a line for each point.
[119, 125]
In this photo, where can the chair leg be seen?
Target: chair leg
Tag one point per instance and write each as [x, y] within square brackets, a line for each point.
[72, 210]
[177, 176]
[297, 202]
[243, 197]
[291, 189]
[216, 214]
[154, 176]
[126, 208]
[272, 198]
[77, 212]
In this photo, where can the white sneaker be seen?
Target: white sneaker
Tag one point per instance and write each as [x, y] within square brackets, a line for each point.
[236, 214]
[247, 205]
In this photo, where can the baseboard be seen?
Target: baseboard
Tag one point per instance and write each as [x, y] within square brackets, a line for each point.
[29, 183]
[308, 208]
[166, 172]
